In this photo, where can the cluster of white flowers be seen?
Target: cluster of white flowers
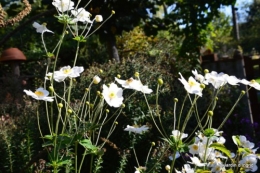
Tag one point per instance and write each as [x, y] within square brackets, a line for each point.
[205, 156]
[195, 84]
[78, 15]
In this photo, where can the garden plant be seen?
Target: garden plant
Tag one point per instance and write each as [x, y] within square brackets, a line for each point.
[79, 120]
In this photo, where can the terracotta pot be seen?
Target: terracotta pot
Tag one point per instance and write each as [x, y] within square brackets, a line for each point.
[13, 56]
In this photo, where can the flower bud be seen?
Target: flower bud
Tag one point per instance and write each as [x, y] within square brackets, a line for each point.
[153, 143]
[96, 79]
[123, 105]
[210, 113]
[69, 111]
[86, 89]
[160, 81]
[100, 71]
[206, 71]
[60, 105]
[136, 74]
[99, 18]
[202, 86]
[175, 100]
[216, 98]
[107, 110]
[118, 76]
[167, 168]
[87, 103]
[116, 123]
[243, 92]
[113, 12]
[51, 88]
[98, 92]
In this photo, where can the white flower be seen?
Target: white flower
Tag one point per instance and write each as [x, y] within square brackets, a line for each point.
[232, 80]
[194, 148]
[216, 79]
[192, 86]
[188, 169]
[96, 79]
[199, 77]
[134, 84]
[39, 94]
[137, 130]
[178, 135]
[113, 95]
[63, 5]
[251, 83]
[41, 28]
[67, 71]
[249, 163]
[81, 15]
[195, 160]
[48, 76]
[98, 18]
[130, 83]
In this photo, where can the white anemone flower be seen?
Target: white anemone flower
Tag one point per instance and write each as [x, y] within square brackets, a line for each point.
[216, 79]
[199, 77]
[41, 28]
[178, 135]
[138, 130]
[249, 163]
[191, 86]
[113, 95]
[195, 160]
[251, 83]
[39, 94]
[81, 15]
[63, 5]
[134, 84]
[67, 71]
[194, 148]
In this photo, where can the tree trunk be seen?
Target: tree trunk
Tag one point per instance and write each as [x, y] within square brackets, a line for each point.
[112, 49]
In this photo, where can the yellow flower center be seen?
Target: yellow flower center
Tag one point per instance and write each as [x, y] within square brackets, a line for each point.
[128, 81]
[39, 93]
[112, 95]
[191, 83]
[195, 147]
[66, 71]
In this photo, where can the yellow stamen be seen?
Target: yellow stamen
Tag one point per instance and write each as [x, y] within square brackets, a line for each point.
[39, 93]
[112, 95]
[66, 71]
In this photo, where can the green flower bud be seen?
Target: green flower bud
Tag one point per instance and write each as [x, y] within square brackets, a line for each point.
[206, 71]
[60, 105]
[175, 100]
[113, 12]
[100, 71]
[153, 143]
[202, 86]
[210, 113]
[136, 74]
[107, 110]
[98, 92]
[70, 111]
[243, 92]
[87, 103]
[51, 89]
[116, 123]
[216, 98]
[160, 81]
[118, 76]
[123, 105]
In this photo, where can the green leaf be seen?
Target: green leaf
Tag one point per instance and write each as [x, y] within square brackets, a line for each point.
[86, 143]
[202, 171]
[50, 137]
[221, 148]
[80, 39]
[236, 140]
[229, 171]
